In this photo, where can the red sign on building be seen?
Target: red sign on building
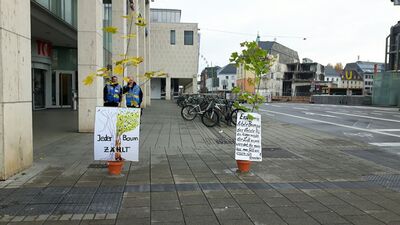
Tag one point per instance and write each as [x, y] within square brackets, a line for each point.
[44, 48]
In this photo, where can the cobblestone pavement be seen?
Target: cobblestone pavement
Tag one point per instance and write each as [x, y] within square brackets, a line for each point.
[187, 175]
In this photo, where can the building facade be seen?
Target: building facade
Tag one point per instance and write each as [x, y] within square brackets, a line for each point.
[174, 49]
[47, 48]
[303, 79]
[227, 77]
[271, 84]
[366, 70]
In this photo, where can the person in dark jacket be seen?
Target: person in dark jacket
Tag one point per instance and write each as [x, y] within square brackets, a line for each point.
[112, 93]
[134, 94]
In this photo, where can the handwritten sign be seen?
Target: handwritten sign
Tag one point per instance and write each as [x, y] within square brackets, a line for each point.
[248, 137]
[116, 131]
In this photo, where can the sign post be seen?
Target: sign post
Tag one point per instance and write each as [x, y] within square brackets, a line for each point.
[116, 133]
[248, 137]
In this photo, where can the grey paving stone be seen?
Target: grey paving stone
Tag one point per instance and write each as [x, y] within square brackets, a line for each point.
[299, 197]
[385, 216]
[164, 196]
[248, 199]
[70, 209]
[301, 221]
[230, 214]
[327, 217]
[346, 210]
[97, 222]
[256, 209]
[217, 194]
[290, 212]
[278, 201]
[223, 203]
[363, 220]
[138, 188]
[133, 213]
[236, 222]
[167, 216]
[165, 204]
[61, 222]
[312, 207]
[197, 210]
[258, 186]
[135, 202]
[200, 220]
[37, 209]
[192, 200]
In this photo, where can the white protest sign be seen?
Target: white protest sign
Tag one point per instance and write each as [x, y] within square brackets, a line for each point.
[116, 130]
[248, 137]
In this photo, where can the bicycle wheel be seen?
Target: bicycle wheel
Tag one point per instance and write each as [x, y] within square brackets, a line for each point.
[234, 115]
[210, 118]
[189, 112]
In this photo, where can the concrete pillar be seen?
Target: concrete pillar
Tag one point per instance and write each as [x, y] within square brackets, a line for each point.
[90, 58]
[118, 43]
[194, 85]
[168, 88]
[138, 47]
[16, 144]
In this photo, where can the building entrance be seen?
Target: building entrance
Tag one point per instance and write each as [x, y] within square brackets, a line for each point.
[39, 88]
[65, 87]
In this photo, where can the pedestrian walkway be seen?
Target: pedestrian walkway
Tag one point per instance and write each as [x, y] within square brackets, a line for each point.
[187, 175]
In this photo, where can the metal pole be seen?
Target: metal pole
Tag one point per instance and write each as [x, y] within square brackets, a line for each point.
[397, 51]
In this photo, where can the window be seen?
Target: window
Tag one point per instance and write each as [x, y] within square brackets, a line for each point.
[188, 37]
[172, 37]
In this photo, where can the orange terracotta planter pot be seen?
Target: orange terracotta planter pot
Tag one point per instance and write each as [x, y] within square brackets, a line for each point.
[115, 167]
[243, 165]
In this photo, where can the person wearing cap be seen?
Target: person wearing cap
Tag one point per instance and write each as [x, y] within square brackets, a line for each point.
[134, 94]
[112, 93]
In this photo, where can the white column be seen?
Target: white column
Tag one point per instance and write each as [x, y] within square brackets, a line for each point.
[168, 88]
[119, 43]
[16, 144]
[90, 58]
[194, 85]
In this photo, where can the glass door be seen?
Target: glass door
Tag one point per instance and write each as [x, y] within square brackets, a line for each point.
[65, 89]
[38, 89]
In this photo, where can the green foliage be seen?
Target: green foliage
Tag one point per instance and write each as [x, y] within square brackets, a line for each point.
[254, 59]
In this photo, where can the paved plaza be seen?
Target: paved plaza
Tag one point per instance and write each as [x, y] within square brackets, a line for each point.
[187, 175]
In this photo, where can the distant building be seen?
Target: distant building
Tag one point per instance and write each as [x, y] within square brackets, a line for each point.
[271, 83]
[209, 79]
[366, 70]
[174, 49]
[332, 76]
[227, 77]
[303, 79]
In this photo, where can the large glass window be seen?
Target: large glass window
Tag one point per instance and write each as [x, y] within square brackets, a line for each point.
[64, 9]
[172, 37]
[188, 39]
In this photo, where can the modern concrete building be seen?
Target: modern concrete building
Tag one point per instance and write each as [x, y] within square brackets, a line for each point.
[174, 49]
[47, 48]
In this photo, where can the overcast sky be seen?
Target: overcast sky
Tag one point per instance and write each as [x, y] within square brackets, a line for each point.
[336, 30]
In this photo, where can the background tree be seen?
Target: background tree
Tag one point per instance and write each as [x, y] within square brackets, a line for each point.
[338, 67]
